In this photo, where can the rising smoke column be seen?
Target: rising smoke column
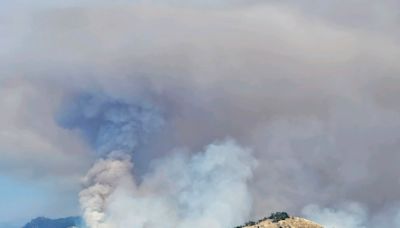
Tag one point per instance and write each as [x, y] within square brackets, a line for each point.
[204, 189]
[207, 190]
[100, 182]
[114, 128]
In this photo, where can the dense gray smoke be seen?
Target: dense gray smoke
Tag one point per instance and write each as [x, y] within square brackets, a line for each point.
[114, 128]
[208, 189]
[110, 124]
[311, 88]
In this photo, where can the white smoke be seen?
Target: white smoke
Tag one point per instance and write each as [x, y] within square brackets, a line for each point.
[351, 215]
[207, 190]
[101, 181]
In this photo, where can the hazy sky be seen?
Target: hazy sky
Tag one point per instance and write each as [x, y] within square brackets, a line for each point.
[310, 87]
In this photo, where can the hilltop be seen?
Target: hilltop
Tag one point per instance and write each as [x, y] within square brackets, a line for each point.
[42, 222]
[281, 220]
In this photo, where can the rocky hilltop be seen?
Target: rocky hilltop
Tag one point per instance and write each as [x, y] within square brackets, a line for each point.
[281, 220]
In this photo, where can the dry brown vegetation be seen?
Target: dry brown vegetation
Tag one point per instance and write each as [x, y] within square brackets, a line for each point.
[292, 222]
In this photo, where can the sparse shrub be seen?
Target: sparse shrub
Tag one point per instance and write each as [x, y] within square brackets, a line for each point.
[278, 216]
[275, 217]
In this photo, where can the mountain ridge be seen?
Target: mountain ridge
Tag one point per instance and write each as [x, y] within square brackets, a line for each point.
[275, 220]
[43, 222]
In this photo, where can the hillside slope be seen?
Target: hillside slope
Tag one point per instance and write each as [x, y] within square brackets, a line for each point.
[292, 222]
[281, 220]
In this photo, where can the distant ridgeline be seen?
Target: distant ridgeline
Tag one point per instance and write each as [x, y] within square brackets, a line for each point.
[77, 222]
[42, 222]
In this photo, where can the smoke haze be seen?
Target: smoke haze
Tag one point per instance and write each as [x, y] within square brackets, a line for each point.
[139, 97]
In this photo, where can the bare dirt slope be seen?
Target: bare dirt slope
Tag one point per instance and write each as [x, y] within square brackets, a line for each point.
[292, 222]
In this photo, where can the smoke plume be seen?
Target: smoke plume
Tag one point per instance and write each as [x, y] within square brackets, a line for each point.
[207, 189]
[348, 216]
[114, 128]
[138, 89]
[100, 182]
[110, 124]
